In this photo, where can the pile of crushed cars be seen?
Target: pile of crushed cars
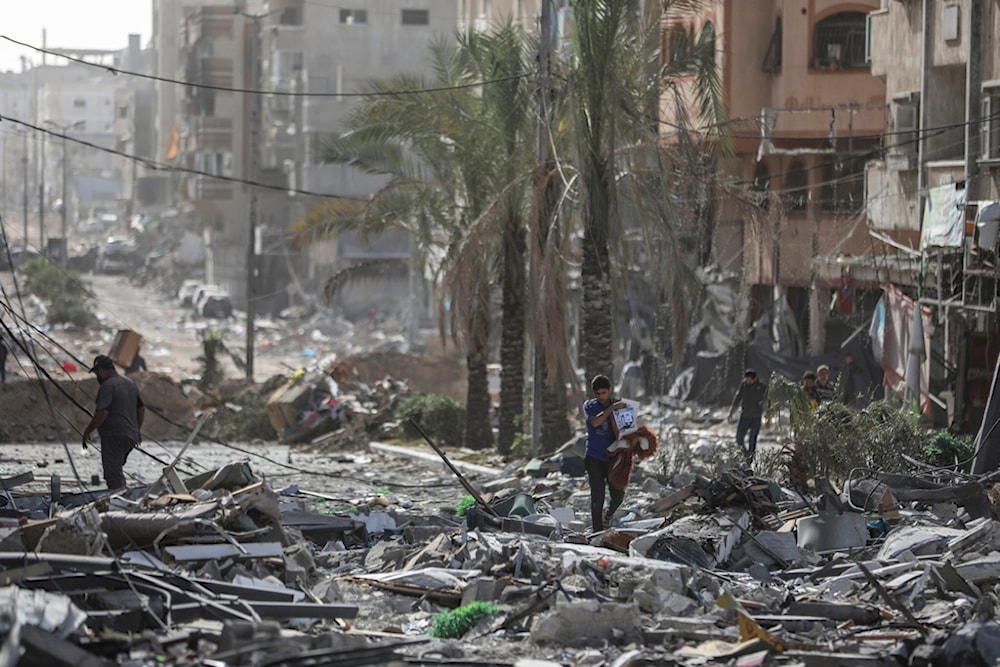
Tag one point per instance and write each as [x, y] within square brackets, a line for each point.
[223, 569]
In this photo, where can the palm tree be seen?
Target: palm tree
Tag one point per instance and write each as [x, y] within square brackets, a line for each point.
[452, 158]
[502, 57]
[614, 95]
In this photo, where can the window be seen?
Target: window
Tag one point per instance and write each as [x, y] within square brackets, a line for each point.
[708, 37]
[760, 186]
[907, 122]
[950, 21]
[123, 111]
[285, 65]
[79, 103]
[353, 16]
[679, 43]
[290, 16]
[772, 58]
[990, 122]
[213, 163]
[796, 190]
[416, 17]
[839, 42]
[843, 185]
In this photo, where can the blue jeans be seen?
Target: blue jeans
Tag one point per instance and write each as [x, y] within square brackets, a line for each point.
[748, 426]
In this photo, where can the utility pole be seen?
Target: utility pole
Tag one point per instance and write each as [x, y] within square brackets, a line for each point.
[41, 152]
[3, 178]
[24, 189]
[63, 129]
[41, 194]
[64, 252]
[252, 178]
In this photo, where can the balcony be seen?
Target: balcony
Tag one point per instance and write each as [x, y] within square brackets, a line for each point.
[212, 132]
[207, 188]
[211, 71]
[841, 128]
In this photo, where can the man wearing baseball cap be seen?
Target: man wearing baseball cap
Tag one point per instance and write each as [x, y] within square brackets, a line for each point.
[118, 417]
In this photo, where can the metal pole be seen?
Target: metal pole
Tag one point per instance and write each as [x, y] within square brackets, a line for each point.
[3, 178]
[64, 253]
[24, 190]
[252, 241]
[41, 195]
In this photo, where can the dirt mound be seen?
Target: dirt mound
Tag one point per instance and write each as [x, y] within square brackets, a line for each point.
[61, 410]
[26, 416]
[424, 374]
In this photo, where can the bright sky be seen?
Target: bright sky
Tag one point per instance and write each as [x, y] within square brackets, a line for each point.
[79, 24]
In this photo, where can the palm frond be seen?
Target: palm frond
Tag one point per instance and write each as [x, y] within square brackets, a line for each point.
[362, 272]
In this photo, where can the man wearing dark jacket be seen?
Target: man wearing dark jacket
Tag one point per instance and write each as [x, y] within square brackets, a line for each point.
[750, 397]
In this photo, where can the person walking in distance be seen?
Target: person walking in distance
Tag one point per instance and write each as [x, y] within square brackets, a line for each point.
[750, 398]
[809, 387]
[848, 385]
[118, 417]
[597, 462]
[138, 364]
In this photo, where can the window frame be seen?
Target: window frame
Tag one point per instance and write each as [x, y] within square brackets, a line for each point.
[845, 30]
[352, 16]
[415, 17]
[989, 128]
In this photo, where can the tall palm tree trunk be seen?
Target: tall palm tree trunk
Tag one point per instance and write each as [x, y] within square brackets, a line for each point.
[478, 432]
[512, 343]
[596, 308]
[549, 324]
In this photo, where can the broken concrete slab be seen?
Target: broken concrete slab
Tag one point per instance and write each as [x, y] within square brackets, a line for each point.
[831, 531]
[584, 621]
[195, 552]
[917, 540]
[699, 540]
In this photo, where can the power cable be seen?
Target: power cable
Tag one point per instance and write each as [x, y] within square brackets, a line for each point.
[251, 91]
[159, 166]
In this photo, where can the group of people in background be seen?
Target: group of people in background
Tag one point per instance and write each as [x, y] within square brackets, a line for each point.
[818, 386]
[821, 388]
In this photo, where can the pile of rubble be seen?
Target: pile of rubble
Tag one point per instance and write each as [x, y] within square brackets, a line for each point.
[224, 569]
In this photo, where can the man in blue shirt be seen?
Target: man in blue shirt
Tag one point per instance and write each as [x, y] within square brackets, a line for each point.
[597, 462]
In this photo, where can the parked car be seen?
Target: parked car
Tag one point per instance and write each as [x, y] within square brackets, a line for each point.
[186, 292]
[201, 292]
[18, 256]
[116, 256]
[216, 305]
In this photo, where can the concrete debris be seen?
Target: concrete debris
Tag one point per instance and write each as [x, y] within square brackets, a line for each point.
[222, 568]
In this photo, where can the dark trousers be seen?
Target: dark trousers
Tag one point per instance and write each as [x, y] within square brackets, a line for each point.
[748, 426]
[114, 452]
[597, 476]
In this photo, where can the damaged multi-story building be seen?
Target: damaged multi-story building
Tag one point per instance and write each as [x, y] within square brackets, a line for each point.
[864, 138]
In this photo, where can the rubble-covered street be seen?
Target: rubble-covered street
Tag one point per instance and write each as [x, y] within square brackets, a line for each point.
[355, 555]
[332, 544]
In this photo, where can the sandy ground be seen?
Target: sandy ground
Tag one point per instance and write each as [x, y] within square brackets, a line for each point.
[345, 479]
[57, 408]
